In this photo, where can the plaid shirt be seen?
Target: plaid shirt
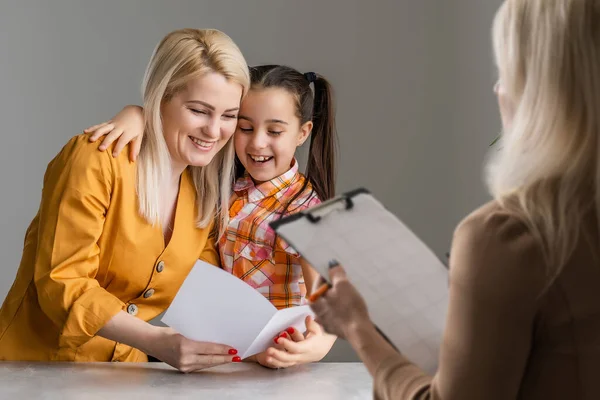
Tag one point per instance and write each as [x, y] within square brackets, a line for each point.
[250, 250]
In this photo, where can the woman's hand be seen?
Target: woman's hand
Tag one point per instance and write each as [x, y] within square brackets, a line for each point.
[341, 309]
[165, 344]
[127, 126]
[293, 348]
[188, 355]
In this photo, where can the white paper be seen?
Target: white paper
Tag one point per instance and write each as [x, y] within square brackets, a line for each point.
[214, 306]
[293, 316]
[402, 281]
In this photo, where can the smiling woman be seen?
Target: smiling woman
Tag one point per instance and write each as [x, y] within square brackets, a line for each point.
[113, 240]
[197, 123]
[195, 130]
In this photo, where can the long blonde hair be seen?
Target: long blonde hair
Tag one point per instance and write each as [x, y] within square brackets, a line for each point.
[546, 168]
[181, 56]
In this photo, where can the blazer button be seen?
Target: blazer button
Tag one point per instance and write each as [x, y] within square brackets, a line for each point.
[160, 266]
[148, 293]
[132, 309]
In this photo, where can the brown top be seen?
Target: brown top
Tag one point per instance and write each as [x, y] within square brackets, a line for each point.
[503, 340]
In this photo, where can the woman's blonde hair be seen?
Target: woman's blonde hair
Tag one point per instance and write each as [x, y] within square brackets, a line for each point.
[181, 56]
[546, 169]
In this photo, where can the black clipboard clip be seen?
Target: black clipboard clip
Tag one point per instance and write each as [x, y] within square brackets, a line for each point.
[346, 198]
[313, 217]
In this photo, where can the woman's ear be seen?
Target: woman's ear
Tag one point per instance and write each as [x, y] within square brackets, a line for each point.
[505, 105]
[305, 131]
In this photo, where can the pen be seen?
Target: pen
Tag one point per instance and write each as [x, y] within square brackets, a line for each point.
[319, 292]
[324, 287]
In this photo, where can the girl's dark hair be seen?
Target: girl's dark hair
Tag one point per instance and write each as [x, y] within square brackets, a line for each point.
[318, 108]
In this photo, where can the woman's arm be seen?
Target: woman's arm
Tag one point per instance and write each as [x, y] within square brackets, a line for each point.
[165, 344]
[75, 197]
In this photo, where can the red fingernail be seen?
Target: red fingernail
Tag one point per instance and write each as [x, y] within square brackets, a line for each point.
[236, 359]
[233, 352]
[283, 335]
[290, 330]
[276, 340]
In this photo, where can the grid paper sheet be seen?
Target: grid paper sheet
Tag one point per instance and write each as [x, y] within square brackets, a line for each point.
[403, 283]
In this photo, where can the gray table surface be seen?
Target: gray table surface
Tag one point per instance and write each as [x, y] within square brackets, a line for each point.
[148, 381]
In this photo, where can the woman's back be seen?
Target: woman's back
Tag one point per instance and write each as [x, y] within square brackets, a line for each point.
[507, 335]
[565, 354]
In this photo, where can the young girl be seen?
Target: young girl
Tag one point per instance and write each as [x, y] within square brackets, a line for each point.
[277, 116]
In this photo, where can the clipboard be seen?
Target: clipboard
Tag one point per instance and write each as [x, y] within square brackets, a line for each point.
[404, 284]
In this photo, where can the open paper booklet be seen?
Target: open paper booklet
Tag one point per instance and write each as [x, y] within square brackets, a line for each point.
[402, 281]
[214, 306]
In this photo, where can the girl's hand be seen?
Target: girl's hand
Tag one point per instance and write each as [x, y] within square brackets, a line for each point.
[293, 348]
[127, 126]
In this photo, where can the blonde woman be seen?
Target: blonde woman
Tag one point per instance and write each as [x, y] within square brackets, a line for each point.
[524, 313]
[113, 240]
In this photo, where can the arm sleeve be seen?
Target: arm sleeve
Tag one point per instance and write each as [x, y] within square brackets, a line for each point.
[75, 198]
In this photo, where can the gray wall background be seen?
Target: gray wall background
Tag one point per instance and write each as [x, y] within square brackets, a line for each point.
[413, 80]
